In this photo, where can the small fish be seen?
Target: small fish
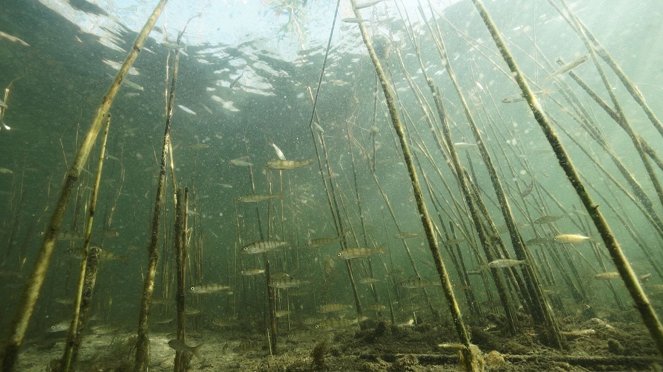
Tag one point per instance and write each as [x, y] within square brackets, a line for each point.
[170, 45]
[376, 307]
[68, 235]
[111, 234]
[608, 275]
[235, 80]
[336, 324]
[287, 283]
[252, 272]
[241, 162]
[409, 323]
[132, 85]
[256, 198]
[576, 333]
[332, 308]
[352, 253]
[222, 323]
[200, 146]
[569, 66]
[528, 190]
[571, 238]
[180, 346]
[64, 301]
[319, 242]
[546, 219]
[210, 288]
[416, 283]
[6, 171]
[520, 98]
[288, 164]
[279, 153]
[369, 281]
[187, 110]
[192, 312]
[537, 241]
[464, 145]
[13, 39]
[353, 20]
[406, 235]
[503, 263]
[513, 99]
[59, 327]
[263, 246]
[645, 277]
[328, 265]
[368, 4]
[282, 313]
[456, 346]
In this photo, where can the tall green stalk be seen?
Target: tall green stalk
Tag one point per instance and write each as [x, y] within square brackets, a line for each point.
[142, 342]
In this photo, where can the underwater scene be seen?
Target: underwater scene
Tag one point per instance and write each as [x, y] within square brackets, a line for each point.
[319, 185]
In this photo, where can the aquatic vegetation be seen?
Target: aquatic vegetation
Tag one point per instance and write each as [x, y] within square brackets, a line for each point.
[386, 177]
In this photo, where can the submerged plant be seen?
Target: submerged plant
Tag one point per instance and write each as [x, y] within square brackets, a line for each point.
[318, 354]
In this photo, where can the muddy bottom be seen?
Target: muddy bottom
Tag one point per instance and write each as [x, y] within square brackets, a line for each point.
[594, 345]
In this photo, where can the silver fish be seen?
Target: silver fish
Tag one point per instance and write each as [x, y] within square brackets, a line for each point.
[210, 288]
[187, 110]
[59, 327]
[252, 272]
[416, 283]
[179, 345]
[352, 253]
[256, 198]
[569, 66]
[546, 219]
[287, 283]
[503, 263]
[571, 238]
[288, 164]
[406, 235]
[241, 162]
[279, 153]
[332, 308]
[608, 275]
[319, 242]
[263, 246]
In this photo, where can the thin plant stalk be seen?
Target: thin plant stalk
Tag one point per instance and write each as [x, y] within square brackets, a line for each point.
[180, 263]
[142, 342]
[74, 335]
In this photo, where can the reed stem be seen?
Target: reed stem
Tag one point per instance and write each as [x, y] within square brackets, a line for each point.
[74, 336]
